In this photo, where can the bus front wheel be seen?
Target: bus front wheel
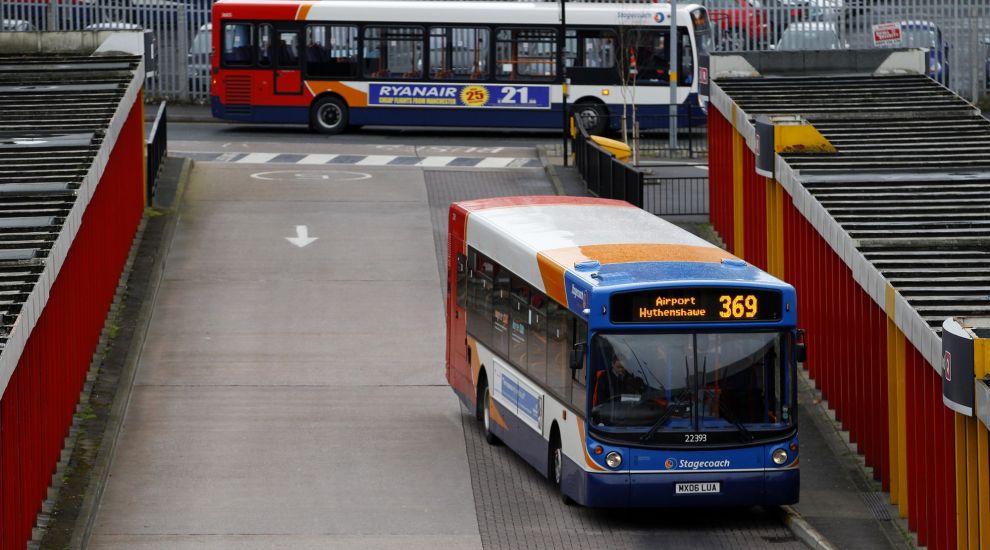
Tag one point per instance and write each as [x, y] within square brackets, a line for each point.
[557, 468]
[592, 116]
[328, 115]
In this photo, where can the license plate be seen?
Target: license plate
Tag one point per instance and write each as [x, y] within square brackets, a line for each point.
[697, 488]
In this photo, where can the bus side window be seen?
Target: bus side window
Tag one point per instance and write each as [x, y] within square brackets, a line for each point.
[458, 53]
[393, 52]
[331, 51]
[500, 312]
[288, 49]
[536, 345]
[578, 383]
[479, 318]
[237, 45]
[518, 319]
[558, 349]
[462, 271]
[685, 73]
[265, 45]
[526, 54]
[599, 49]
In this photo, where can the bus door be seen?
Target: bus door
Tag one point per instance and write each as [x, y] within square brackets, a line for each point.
[288, 73]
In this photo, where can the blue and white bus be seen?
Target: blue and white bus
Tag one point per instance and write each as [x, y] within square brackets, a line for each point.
[633, 363]
[477, 64]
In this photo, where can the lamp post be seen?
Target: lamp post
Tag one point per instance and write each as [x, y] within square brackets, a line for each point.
[672, 116]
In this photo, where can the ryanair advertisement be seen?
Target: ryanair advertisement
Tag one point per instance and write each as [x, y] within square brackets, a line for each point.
[459, 95]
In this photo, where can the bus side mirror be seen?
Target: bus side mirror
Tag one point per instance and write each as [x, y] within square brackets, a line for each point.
[800, 348]
[577, 356]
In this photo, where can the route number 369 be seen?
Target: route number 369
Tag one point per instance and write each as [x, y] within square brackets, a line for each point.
[738, 307]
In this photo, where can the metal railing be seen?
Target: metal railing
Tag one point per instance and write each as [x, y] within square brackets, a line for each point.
[653, 139]
[675, 196]
[604, 175]
[664, 190]
[157, 150]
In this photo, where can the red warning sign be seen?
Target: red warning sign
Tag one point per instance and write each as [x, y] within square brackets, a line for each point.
[887, 34]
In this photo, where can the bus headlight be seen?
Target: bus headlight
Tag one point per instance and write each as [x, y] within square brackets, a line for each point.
[779, 457]
[613, 459]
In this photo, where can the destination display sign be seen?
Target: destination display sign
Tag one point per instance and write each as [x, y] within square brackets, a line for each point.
[459, 95]
[696, 305]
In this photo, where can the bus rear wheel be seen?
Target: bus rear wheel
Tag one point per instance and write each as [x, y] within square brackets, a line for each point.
[486, 419]
[328, 115]
[592, 116]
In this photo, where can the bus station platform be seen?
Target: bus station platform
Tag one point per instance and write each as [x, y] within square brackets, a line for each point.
[195, 377]
[837, 509]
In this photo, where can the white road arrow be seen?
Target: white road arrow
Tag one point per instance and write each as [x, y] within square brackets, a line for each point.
[302, 237]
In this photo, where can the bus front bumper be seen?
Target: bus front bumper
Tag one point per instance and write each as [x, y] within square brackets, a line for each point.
[656, 490]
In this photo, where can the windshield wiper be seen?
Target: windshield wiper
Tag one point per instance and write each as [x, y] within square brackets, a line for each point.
[671, 409]
[678, 403]
[731, 417]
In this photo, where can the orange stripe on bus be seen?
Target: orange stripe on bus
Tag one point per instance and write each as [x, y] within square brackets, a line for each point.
[629, 253]
[553, 263]
[496, 416]
[475, 361]
[303, 11]
[584, 446]
[354, 98]
[552, 273]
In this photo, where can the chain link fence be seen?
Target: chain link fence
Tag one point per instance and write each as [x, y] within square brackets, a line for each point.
[955, 32]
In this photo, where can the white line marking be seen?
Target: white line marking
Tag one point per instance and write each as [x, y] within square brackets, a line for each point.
[316, 159]
[257, 158]
[376, 160]
[435, 161]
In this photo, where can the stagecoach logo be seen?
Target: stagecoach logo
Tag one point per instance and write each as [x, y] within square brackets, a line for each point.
[658, 17]
[682, 464]
[669, 464]
[634, 16]
[475, 96]
[579, 295]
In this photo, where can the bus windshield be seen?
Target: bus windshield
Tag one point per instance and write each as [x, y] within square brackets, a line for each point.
[659, 387]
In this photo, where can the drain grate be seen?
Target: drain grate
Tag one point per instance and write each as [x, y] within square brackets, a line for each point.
[877, 503]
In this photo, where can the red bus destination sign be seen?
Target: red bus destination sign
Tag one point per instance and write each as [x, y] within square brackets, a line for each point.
[696, 305]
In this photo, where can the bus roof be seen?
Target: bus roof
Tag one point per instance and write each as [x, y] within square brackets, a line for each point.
[399, 11]
[544, 238]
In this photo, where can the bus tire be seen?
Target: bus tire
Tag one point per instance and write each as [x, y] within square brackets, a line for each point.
[486, 417]
[593, 116]
[328, 115]
[556, 468]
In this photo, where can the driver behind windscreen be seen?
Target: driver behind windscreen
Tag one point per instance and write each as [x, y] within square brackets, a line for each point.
[616, 382]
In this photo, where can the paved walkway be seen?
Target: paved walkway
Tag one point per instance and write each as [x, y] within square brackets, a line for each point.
[290, 396]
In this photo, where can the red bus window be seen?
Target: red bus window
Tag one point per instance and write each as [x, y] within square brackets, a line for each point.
[265, 45]
[237, 45]
[331, 51]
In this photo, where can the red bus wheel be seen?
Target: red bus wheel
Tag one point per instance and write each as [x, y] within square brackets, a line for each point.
[328, 115]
